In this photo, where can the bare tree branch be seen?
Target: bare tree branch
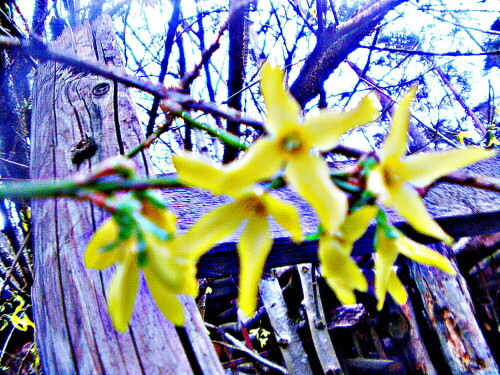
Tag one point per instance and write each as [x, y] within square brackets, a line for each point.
[333, 46]
[427, 53]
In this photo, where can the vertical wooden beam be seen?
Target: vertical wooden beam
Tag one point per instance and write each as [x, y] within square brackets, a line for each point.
[288, 339]
[449, 313]
[317, 322]
[74, 331]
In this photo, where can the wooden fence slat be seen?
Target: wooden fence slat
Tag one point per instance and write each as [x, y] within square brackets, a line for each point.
[291, 347]
[317, 322]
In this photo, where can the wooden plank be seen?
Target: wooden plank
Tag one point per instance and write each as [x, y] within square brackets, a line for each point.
[294, 355]
[74, 331]
[316, 318]
[449, 312]
[222, 260]
[416, 351]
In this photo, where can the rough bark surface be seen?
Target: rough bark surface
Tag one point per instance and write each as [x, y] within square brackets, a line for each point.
[334, 44]
[74, 331]
[449, 312]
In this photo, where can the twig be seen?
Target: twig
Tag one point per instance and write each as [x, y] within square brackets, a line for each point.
[387, 101]
[226, 137]
[169, 42]
[459, 99]
[241, 347]
[428, 53]
[70, 188]
[489, 183]
[38, 49]
[205, 57]
[14, 263]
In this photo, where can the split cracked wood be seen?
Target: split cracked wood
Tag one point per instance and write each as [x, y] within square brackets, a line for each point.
[317, 322]
[291, 347]
[449, 313]
[74, 331]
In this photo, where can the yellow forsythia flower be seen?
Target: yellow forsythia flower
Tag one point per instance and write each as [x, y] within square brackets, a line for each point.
[339, 269]
[394, 179]
[387, 249]
[167, 274]
[292, 144]
[19, 319]
[252, 206]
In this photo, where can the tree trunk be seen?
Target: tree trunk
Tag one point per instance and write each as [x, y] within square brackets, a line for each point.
[74, 331]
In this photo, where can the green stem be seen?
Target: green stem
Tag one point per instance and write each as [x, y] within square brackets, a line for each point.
[68, 188]
[145, 144]
[224, 136]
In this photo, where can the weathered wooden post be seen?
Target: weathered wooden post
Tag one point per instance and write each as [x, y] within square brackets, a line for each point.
[74, 332]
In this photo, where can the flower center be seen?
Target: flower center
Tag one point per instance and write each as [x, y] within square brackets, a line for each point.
[252, 203]
[390, 177]
[292, 143]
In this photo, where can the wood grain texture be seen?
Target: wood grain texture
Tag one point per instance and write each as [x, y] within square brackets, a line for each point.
[74, 331]
[294, 355]
[449, 313]
[316, 320]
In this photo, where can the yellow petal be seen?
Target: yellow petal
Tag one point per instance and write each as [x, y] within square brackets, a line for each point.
[175, 273]
[282, 109]
[387, 253]
[395, 145]
[261, 162]
[253, 248]
[161, 265]
[376, 183]
[356, 223]
[396, 289]
[286, 215]
[424, 168]
[107, 233]
[162, 217]
[197, 171]
[408, 203]
[340, 270]
[310, 176]
[423, 254]
[210, 229]
[189, 281]
[122, 292]
[324, 130]
[165, 299]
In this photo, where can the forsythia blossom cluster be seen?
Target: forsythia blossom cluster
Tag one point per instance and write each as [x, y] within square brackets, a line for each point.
[292, 145]
[140, 237]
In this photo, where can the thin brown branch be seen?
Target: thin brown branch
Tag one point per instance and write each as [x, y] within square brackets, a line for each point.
[43, 51]
[387, 101]
[489, 183]
[459, 99]
[242, 348]
[428, 53]
[188, 79]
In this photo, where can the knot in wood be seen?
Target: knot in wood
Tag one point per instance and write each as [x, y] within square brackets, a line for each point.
[101, 89]
[283, 343]
[84, 149]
